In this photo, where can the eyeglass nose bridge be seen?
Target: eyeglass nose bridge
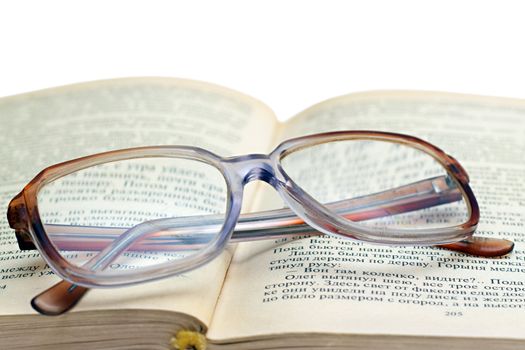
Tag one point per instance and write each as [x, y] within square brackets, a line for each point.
[254, 167]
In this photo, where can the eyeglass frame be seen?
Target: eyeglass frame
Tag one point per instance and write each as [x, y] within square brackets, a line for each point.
[23, 213]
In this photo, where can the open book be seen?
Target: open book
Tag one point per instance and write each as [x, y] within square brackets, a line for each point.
[274, 294]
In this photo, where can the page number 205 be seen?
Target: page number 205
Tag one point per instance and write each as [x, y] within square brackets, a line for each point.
[453, 313]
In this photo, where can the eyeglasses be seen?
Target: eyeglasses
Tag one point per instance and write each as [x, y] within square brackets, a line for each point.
[140, 214]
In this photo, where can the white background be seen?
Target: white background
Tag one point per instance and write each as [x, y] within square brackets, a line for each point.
[290, 54]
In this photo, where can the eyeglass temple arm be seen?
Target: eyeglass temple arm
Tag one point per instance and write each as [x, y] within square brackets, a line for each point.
[168, 233]
[415, 196]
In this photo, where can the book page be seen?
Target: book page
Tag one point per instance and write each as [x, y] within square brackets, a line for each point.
[327, 285]
[50, 126]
